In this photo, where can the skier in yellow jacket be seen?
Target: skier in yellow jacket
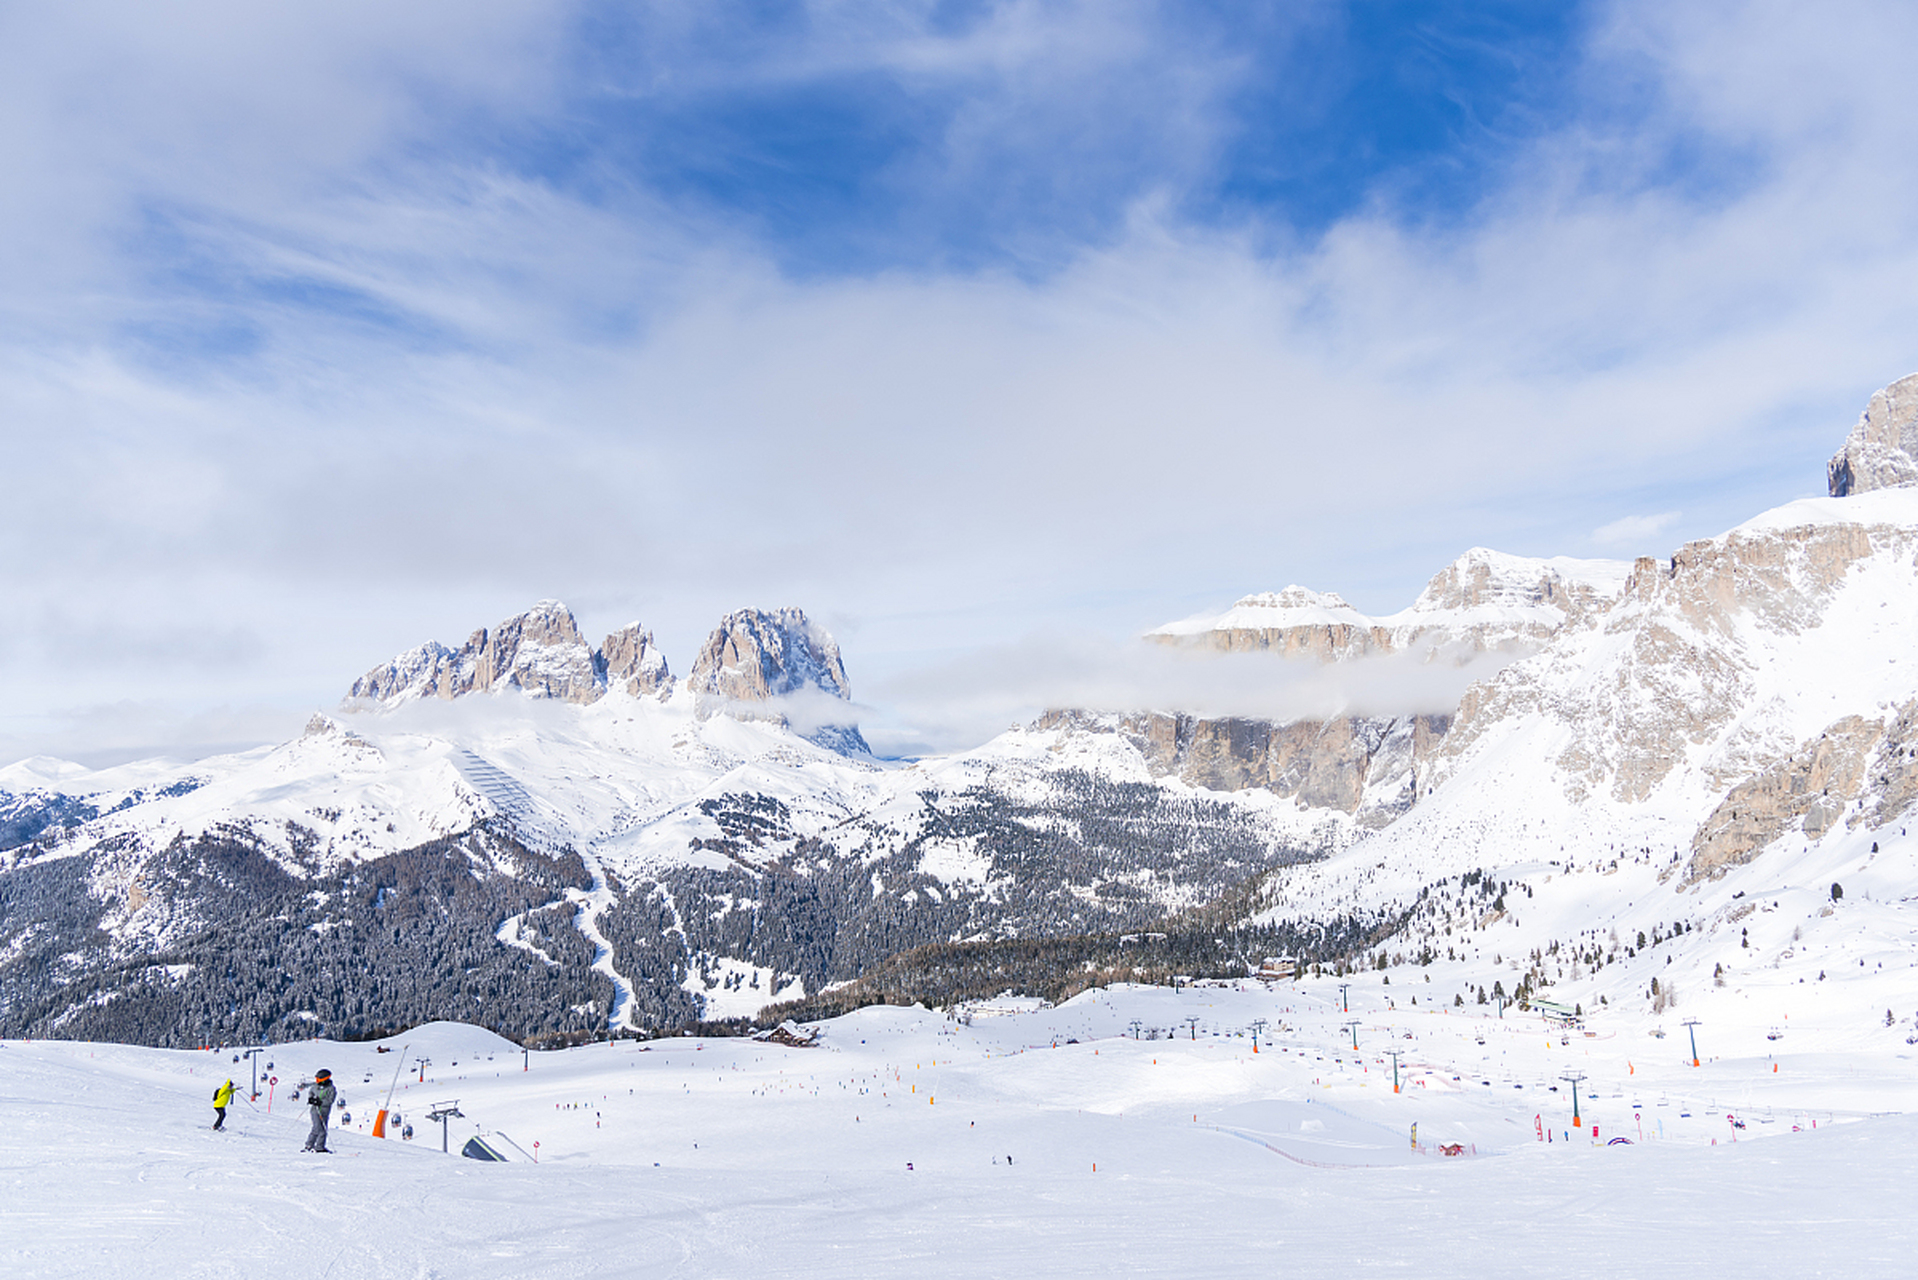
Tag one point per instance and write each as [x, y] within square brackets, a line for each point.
[222, 1099]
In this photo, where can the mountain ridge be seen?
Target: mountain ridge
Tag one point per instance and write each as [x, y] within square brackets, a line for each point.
[1659, 741]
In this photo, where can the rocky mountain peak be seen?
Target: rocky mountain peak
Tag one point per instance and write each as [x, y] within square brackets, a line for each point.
[1295, 622]
[754, 657]
[631, 660]
[1486, 579]
[1882, 450]
[539, 652]
[1483, 600]
[1295, 597]
[321, 725]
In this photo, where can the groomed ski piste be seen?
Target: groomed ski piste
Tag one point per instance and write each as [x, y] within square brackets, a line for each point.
[1130, 1130]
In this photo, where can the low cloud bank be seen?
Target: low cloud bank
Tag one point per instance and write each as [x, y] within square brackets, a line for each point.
[105, 734]
[957, 704]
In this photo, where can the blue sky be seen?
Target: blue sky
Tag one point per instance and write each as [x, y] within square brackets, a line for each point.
[1286, 117]
[970, 327]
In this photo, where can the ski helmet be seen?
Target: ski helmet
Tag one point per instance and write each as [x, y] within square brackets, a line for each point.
[323, 1075]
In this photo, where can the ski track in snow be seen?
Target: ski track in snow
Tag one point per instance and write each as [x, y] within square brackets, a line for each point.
[1166, 1157]
[591, 903]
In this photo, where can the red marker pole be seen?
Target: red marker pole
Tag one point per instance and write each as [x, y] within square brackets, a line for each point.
[270, 1082]
[536, 1152]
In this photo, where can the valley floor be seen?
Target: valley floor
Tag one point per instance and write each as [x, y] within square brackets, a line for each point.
[1031, 1141]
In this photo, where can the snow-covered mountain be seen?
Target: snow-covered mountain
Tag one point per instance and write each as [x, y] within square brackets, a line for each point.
[1485, 606]
[1484, 600]
[559, 836]
[540, 653]
[586, 851]
[1737, 733]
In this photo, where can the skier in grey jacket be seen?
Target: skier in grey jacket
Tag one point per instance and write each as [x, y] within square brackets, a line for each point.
[320, 1097]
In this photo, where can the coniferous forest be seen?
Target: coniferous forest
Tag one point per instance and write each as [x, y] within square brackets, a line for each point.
[481, 927]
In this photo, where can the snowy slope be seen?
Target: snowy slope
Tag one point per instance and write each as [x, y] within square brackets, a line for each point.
[1724, 746]
[676, 863]
[1047, 1142]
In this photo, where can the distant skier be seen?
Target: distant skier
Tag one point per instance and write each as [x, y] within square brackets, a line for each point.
[320, 1097]
[222, 1099]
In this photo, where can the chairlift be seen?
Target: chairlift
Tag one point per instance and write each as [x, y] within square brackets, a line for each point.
[445, 1113]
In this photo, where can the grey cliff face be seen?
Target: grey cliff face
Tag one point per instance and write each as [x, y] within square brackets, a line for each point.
[1335, 632]
[757, 665]
[754, 657]
[1882, 450]
[1484, 601]
[632, 661]
[1367, 767]
[1478, 581]
[540, 652]
[1676, 675]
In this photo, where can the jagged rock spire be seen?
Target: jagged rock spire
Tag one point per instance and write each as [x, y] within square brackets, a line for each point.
[540, 652]
[1882, 450]
[755, 659]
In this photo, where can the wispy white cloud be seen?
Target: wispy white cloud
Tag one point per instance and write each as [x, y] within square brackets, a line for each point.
[286, 354]
[947, 705]
[1634, 532]
[98, 735]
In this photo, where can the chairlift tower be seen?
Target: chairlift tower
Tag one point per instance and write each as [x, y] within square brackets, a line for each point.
[1258, 1025]
[1691, 1029]
[1395, 1055]
[253, 1058]
[1353, 1027]
[1192, 1024]
[1573, 1080]
[445, 1113]
[1135, 1024]
[1345, 997]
